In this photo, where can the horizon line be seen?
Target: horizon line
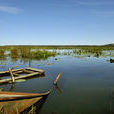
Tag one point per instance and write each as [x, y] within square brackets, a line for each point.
[58, 45]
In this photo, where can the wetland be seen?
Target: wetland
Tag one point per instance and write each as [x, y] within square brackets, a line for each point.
[86, 85]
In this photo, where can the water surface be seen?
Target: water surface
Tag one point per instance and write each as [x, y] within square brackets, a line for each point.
[86, 85]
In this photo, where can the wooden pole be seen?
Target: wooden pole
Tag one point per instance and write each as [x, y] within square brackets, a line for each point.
[12, 77]
[58, 76]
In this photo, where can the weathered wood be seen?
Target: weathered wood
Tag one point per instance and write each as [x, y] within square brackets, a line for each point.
[26, 71]
[20, 77]
[12, 76]
[58, 76]
[34, 69]
[17, 106]
[15, 74]
[2, 73]
[8, 93]
[31, 72]
[8, 96]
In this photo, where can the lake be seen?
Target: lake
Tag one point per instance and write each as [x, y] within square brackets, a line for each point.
[86, 85]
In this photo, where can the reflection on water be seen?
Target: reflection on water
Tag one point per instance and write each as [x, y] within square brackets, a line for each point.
[36, 53]
[86, 84]
[58, 89]
[12, 87]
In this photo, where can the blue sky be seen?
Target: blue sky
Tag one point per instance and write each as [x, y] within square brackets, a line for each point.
[56, 22]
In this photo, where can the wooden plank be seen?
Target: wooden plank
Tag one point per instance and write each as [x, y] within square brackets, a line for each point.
[21, 70]
[7, 96]
[12, 76]
[34, 69]
[21, 93]
[17, 106]
[15, 74]
[20, 77]
[58, 76]
[26, 71]
[7, 72]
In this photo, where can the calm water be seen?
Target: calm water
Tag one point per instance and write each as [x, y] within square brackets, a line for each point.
[86, 85]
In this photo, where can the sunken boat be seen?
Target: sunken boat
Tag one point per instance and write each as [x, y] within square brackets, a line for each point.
[16, 102]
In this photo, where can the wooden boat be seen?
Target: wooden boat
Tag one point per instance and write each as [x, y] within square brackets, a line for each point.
[21, 74]
[15, 103]
[9, 96]
[17, 107]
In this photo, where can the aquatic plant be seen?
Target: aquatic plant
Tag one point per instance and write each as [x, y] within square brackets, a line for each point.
[14, 53]
[2, 53]
[43, 52]
[38, 54]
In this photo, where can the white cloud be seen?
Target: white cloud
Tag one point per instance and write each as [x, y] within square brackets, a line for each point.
[8, 9]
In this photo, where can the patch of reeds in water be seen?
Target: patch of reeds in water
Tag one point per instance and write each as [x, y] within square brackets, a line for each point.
[42, 52]
[2, 54]
[27, 53]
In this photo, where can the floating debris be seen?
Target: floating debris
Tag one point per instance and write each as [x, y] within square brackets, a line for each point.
[20, 74]
[56, 59]
[22, 80]
[49, 63]
[111, 60]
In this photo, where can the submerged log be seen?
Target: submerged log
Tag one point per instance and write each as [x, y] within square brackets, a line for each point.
[28, 70]
[20, 74]
[12, 76]
[20, 77]
[57, 89]
[58, 76]
[2, 73]
[34, 69]
[15, 74]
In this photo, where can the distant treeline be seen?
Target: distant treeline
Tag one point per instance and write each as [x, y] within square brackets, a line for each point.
[110, 46]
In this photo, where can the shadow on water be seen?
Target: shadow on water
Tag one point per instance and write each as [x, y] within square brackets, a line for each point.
[12, 87]
[58, 89]
[111, 103]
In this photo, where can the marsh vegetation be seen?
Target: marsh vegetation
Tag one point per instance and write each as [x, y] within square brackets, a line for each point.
[43, 52]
